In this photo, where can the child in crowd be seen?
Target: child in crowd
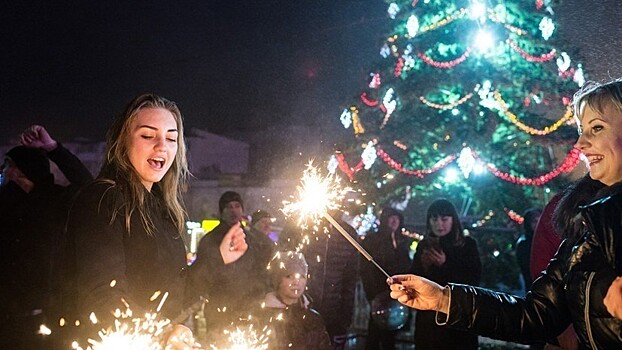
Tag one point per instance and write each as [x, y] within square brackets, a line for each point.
[295, 324]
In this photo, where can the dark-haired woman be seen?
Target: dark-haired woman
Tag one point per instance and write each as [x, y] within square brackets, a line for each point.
[444, 255]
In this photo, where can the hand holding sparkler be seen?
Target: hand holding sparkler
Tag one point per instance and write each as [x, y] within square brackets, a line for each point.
[419, 293]
[317, 196]
[180, 338]
[233, 244]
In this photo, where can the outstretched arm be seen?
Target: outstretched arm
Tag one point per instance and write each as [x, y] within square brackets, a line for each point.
[36, 136]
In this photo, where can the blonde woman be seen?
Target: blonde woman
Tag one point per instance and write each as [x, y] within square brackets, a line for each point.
[127, 225]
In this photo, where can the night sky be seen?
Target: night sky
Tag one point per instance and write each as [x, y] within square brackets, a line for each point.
[236, 68]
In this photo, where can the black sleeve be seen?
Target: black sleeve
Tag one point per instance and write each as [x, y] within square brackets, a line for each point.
[542, 314]
[70, 165]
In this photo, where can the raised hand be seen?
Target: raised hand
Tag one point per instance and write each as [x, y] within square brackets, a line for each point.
[37, 137]
[419, 293]
[233, 245]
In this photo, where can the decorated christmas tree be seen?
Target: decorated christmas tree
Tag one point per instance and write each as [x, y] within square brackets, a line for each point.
[470, 101]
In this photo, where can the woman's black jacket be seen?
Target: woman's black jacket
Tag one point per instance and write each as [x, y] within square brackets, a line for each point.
[570, 290]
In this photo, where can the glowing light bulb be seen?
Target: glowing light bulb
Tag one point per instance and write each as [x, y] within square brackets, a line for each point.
[484, 40]
[477, 10]
[452, 175]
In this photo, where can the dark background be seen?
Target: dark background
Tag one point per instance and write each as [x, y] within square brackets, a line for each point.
[273, 73]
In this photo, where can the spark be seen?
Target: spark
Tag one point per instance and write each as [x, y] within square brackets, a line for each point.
[44, 330]
[317, 195]
[135, 333]
[246, 339]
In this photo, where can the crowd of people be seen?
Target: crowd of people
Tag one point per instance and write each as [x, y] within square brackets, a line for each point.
[85, 253]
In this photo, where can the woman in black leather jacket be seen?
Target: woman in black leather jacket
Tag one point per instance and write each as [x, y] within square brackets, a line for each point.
[582, 284]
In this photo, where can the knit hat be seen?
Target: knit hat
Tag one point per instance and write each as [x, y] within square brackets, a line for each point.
[228, 197]
[32, 162]
[258, 215]
[288, 263]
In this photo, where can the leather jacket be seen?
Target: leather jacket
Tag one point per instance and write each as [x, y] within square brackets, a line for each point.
[570, 290]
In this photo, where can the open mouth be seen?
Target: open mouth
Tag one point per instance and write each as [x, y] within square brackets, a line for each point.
[156, 163]
[595, 159]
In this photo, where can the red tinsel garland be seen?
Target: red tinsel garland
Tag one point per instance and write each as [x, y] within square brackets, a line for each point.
[347, 169]
[447, 64]
[531, 58]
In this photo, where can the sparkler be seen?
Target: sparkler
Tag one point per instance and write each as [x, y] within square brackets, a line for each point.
[317, 196]
[136, 334]
[133, 333]
[246, 340]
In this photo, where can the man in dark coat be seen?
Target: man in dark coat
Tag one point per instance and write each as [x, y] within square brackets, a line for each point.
[33, 210]
[390, 249]
[231, 287]
[333, 264]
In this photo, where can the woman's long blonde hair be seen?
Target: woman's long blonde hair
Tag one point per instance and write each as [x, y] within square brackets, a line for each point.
[118, 170]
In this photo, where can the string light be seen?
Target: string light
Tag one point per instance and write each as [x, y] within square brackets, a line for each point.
[399, 65]
[447, 64]
[445, 21]
[400, 145]
[531, 58]
[482, 222]
[514, 216]
[347, 169]
[514, 119]
[448, 105]
[356, 122]
[419, 173]
[368, 102]
[569, 163]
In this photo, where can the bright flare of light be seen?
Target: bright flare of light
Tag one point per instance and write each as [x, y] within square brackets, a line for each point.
[452, 175]
[477, 10]
[484, 40]
[316, 196]
[478, 169]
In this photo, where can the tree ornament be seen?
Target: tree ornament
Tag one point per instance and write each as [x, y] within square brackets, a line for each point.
[393, 10]
[466, 161]
[369, 155]
[563, 62]
[346, 118]
[412, 26]
[546, 27]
